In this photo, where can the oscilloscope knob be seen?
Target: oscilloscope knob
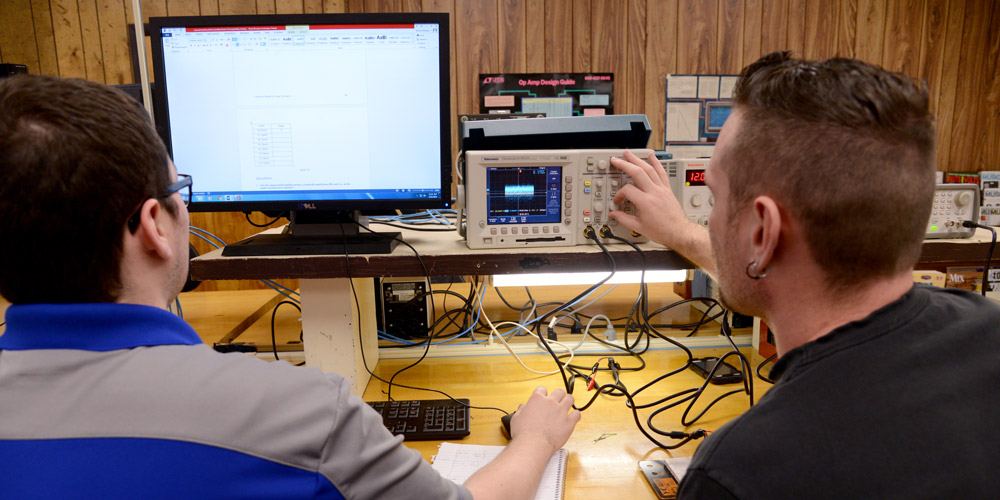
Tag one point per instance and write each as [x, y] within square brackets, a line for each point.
[696, 200]
[602, 165]
[964, 198]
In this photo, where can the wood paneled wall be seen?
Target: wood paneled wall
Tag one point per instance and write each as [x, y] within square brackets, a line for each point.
[954, 45]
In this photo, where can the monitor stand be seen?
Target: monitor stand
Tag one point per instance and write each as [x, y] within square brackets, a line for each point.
[317, 233]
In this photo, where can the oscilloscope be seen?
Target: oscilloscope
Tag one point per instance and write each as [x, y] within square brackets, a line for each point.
[535, 198]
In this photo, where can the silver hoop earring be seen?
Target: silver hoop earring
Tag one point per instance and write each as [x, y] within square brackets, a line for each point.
[755, 276]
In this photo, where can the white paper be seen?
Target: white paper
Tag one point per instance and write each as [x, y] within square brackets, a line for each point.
[457, 462]
[682, 87]
[726, 85]
[708, 87]
[682, 121]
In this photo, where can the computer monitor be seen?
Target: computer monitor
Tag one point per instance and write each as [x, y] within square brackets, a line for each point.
[716, 114]
[315, 114]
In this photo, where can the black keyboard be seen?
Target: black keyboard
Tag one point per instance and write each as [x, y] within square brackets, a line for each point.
[427, 419]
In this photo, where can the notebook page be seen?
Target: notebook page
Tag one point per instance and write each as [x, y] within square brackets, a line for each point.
[459, 461]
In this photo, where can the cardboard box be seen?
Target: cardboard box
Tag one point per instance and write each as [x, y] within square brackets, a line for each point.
[989, 213]
[994, 279]
[989, 179]
[935, 278]
[966, 278]
[989, 185]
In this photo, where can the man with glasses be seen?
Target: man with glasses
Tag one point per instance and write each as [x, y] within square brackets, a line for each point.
[105, 394]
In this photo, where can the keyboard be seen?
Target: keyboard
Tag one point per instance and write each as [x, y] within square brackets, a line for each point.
[425, 419]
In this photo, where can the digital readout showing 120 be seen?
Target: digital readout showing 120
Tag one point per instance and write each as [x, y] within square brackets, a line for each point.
[694, 177]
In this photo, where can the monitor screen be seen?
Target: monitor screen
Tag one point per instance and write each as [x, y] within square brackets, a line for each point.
[324, 112]
[716, 113]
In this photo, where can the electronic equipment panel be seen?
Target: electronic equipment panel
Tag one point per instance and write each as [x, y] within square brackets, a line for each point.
[538, 198]
[687, 181]
[953, 205]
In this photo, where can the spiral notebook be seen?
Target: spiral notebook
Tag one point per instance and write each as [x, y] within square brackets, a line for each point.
[458, 461]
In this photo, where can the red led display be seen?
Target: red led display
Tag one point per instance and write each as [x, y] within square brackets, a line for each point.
[695, 177]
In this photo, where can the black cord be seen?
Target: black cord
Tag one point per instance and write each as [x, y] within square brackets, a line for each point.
[761, 366]
[989, 253]
[364, 361]
[274, 312]
[276, 219]
[591, 234]
[412, 228]
[391, 382]
[527, 306]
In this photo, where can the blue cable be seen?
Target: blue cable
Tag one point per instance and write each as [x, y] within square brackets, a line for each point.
[276, 284]
[199, 232]
[210, 242]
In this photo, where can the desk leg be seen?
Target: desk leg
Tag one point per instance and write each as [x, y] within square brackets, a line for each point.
[330, 328]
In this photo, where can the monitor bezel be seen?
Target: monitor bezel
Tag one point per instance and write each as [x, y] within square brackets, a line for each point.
[161, 108]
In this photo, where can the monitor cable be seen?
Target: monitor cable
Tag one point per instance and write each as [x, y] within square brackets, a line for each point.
[276, 218]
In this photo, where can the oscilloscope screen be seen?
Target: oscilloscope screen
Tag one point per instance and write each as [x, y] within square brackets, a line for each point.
[523, 195]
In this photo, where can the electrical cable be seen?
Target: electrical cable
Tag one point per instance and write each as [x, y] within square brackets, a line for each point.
[691, 394]
[266, 224]
[761, 366]
[428, 343]
[989, 253]
[203, 234]
[274, 313]
[411, 228]
[589, 233]
[364, 361]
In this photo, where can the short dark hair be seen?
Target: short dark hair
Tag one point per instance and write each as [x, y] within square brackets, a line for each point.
[77, 158]
[849, 149]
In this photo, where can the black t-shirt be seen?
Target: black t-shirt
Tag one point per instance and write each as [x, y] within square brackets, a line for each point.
[902, 404]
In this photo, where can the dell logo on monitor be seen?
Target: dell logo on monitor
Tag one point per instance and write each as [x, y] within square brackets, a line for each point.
[307, 206]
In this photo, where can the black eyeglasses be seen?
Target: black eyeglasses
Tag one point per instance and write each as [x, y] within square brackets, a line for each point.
[183, 183]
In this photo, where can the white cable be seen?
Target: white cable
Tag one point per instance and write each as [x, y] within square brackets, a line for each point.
[493, 331]
[586, 331]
